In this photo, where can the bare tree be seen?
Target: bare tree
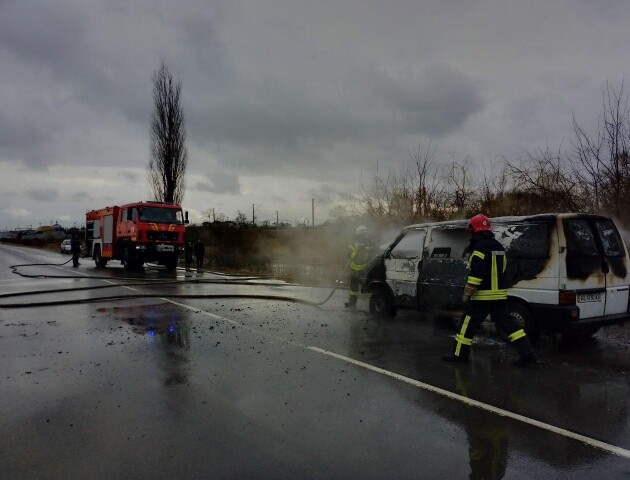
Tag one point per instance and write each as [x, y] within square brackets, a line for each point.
[241, 218]
[167, 165]
[459, 179]
[543, 182]
[430, 193]
[601, 160]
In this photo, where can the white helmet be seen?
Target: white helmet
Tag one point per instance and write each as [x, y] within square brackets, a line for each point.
[361, 230]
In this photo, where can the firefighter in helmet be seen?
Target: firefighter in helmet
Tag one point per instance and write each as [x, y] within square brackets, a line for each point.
[360, 253]
[485, 294]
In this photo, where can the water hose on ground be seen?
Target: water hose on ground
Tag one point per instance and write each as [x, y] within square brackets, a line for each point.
[152, 282]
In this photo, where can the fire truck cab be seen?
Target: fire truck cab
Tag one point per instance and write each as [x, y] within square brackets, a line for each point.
[136, 233]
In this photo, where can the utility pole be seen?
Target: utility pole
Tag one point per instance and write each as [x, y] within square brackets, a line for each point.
[313, 210]
[253, 216]
[277, 225]
[214, 219]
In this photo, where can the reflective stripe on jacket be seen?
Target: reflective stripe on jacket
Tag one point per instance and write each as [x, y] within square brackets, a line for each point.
[488, 264]
[359, 254]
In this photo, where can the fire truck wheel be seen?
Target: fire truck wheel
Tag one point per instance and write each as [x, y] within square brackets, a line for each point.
[128, 260]
[98, 259]
[171, 263]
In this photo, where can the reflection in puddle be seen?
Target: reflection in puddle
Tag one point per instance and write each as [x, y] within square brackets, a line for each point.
[167, 327]
[164, 320]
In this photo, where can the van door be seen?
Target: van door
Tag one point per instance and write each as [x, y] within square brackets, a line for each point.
[582, 267]
[615, 268]
[402, 264]
[444, 269]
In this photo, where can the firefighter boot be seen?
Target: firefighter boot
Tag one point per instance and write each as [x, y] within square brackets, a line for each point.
[351, 304]
[526, 351]
[459, 355]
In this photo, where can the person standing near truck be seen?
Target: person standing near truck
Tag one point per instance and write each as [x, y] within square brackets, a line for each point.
[485, 294]
[200, 251]
[75, 248]
[188, 255]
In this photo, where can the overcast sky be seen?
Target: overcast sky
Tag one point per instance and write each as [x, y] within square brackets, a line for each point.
[285, 100]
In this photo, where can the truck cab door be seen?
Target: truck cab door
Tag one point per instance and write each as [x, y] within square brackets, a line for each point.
[402, 266]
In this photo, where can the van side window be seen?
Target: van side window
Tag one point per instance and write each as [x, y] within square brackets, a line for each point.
[609, 237]
[409, 246]
[524, 240]
[580, 239]
[448, 242]
[123, 215]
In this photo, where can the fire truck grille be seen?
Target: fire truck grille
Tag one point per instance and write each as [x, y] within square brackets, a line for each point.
[162, 236]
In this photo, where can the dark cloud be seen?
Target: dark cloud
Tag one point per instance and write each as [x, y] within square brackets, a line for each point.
[222, 183]
[319, 93]
[129, 176]
[436, 102]
[81, 197]
[326, 194]
[43, 195]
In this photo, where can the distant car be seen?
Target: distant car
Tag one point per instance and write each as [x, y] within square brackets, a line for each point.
[66, 246]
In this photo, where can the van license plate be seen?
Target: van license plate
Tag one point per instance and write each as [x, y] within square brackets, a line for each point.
[589, 297]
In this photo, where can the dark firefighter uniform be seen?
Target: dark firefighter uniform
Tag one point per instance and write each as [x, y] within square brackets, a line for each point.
[360, 253]
[75, 248]
[487, 439]
[188, 255]
[486, 290]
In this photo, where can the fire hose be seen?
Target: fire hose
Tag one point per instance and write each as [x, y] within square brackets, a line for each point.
[138, 281]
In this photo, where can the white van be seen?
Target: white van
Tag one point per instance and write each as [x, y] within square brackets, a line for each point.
[566, 273]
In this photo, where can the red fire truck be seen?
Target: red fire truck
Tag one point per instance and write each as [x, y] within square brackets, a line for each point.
[136, 233]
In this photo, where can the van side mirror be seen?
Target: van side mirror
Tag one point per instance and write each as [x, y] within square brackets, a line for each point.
[186, 217]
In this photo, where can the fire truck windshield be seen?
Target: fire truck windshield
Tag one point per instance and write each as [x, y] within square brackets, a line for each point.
[161, 215]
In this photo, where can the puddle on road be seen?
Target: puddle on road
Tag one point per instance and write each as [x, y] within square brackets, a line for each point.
[163, 319]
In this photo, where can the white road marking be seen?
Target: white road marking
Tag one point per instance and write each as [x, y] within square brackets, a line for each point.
[430, 388]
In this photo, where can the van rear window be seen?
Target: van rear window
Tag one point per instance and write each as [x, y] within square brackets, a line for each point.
[581, 241]
[609, 238]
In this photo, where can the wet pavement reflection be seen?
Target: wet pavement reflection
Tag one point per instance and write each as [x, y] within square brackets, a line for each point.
[166, 326]
[580, 386]
[229, 388]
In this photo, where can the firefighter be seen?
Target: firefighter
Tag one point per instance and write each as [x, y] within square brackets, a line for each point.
[75, 248]
[200, 251]
[359, 253]
[485, 294]
[188, 255]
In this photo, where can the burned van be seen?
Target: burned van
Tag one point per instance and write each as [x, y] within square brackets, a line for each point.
[566, 273]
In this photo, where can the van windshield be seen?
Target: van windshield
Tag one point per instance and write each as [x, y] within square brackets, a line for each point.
[410, 246]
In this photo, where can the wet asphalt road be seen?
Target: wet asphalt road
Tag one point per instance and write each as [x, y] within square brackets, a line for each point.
[232, 388]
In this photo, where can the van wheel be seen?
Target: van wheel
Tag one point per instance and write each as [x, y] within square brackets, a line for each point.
[524, 319]
[382, 303]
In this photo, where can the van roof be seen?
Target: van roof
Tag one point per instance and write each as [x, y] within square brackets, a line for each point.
[536, 218]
